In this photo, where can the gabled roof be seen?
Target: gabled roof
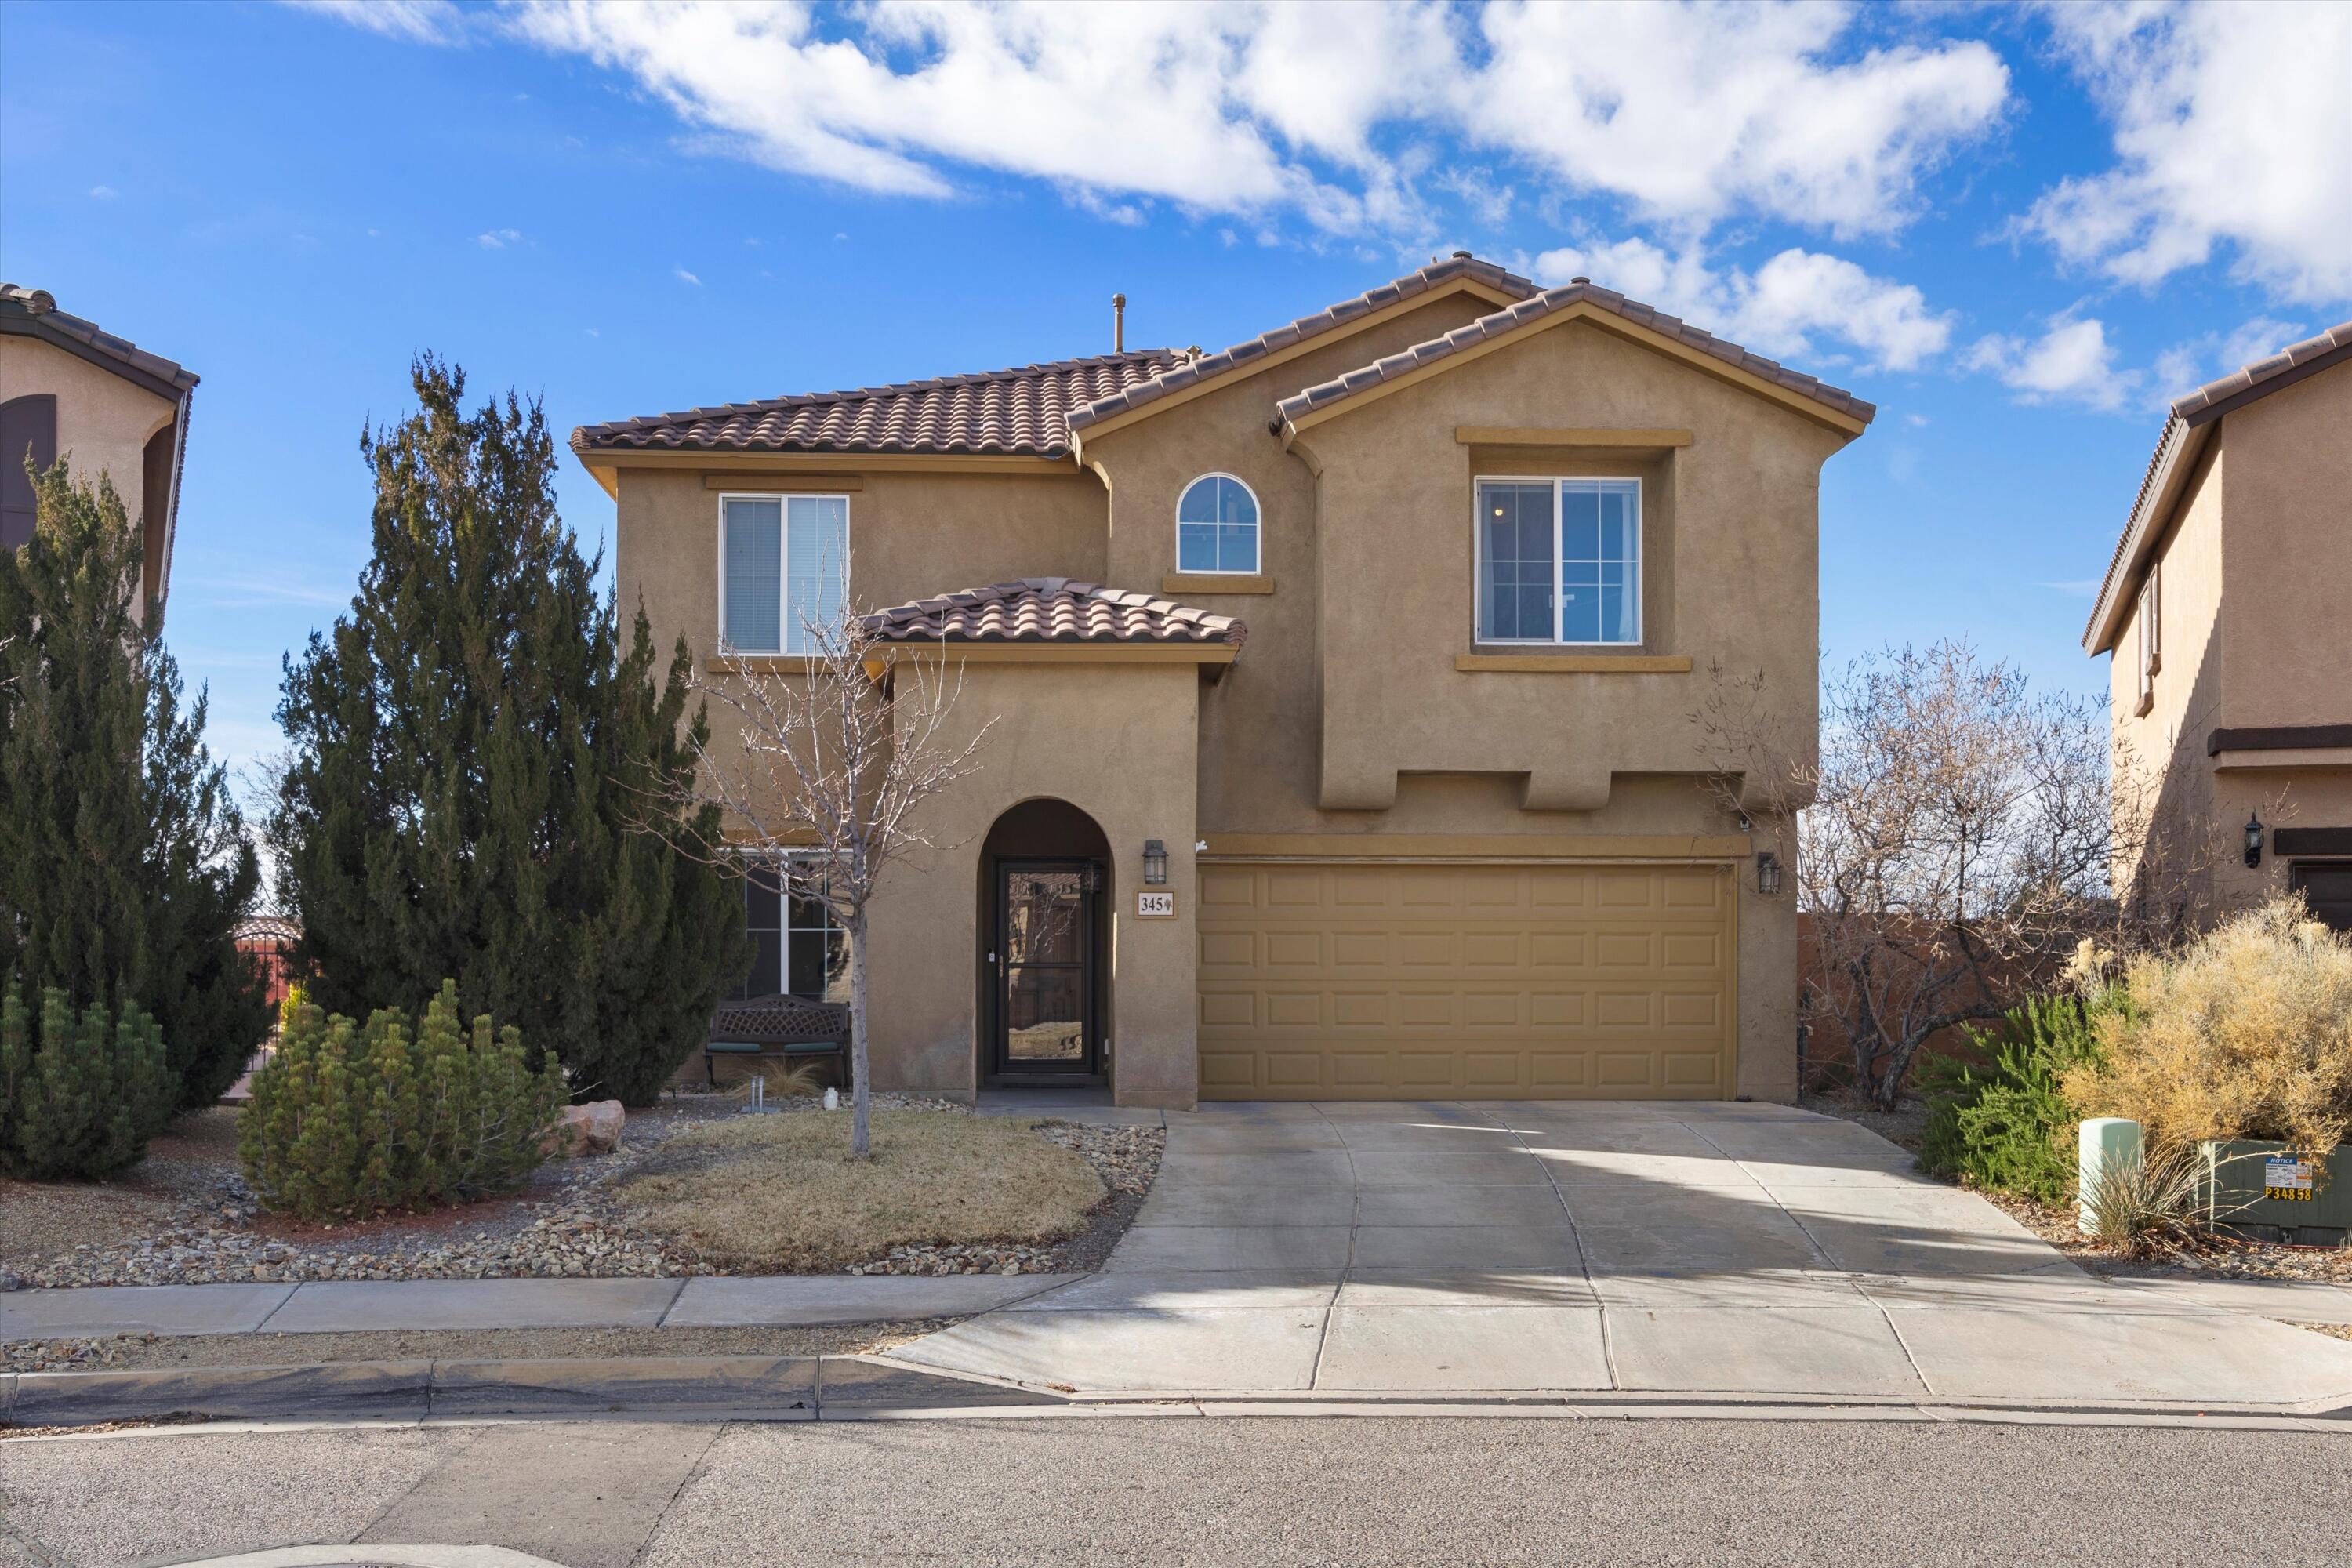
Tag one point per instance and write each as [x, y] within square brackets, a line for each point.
[1460, 268]
[1549, 303]
[34, 313]
[2186, 427]
[1051, 610]
[1021, 411]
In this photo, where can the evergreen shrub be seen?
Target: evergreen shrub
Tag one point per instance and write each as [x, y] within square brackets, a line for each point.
[79, 1097]
[350, 1119]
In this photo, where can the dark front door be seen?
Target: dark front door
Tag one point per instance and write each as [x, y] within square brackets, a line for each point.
[2326, 886]
[1044, 964]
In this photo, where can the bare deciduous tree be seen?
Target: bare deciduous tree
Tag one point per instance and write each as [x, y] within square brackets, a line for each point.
[832, 768]
[1954, 838]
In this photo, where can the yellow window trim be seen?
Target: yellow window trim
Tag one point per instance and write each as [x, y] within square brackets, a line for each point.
[1572, 663]
[1216, 583]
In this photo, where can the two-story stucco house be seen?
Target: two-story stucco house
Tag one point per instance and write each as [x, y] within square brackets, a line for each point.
[1342, 684]
[2227, 607]
[69, 389]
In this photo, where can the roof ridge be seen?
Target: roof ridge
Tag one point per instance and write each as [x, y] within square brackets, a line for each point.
[1496, 323]
[1190, 371]
[2248, 376]
[39, 309]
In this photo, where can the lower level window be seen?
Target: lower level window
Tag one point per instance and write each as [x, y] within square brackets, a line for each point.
[1560, 561]
[795, 947]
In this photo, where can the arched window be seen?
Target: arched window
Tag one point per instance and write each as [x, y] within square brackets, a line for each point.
[1216, 526]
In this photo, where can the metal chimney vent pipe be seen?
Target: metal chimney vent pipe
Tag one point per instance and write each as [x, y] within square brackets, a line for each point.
[1118, 323]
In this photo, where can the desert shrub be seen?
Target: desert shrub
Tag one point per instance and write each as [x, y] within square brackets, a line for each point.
[2004, 1121]
[347, 1120]
[2147, 1206]
[79, 1097]
[2247, 1033]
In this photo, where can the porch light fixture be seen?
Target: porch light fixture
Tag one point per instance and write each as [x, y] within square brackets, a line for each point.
[2254, 840]
[1155, 863]
[1768, 873]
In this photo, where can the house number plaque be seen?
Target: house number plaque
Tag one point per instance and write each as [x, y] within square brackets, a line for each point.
[1155, 906]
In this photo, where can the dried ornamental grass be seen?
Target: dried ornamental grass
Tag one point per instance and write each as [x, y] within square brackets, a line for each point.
[2247, 1034]
[781, 1193]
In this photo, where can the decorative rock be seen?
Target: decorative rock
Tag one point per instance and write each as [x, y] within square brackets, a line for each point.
[591, 1129]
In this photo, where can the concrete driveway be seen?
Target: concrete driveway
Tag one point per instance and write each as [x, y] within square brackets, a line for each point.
[1702, 1247]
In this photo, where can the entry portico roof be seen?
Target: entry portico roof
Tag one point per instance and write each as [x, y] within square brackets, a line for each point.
[1051, 610]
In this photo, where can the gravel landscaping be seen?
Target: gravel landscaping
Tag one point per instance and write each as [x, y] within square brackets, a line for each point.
[128, 1352]
[184, 1217]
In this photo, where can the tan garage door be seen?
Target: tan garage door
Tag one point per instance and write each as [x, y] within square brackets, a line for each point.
[1406, 981]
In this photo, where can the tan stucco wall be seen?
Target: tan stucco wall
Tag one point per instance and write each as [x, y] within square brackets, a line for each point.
[910, 535]
[103, 421]
[2254, 569]
[1116, 741]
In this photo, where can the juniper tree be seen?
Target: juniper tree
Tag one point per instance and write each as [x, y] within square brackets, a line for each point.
[124, 865]
[473, 755]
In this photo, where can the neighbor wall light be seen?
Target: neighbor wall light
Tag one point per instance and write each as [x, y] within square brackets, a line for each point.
[2254, 840]
[1155, 863]
[1768, 873]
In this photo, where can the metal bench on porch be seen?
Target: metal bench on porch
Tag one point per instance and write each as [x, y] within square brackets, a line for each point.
[779, 1025]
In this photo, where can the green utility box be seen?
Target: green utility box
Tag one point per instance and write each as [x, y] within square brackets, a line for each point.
[2261, 1187]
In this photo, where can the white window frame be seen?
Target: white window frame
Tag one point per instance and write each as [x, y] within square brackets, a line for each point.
[1559, 604]
[781, 861]
[1257, 529]
[2150, 629]
[783, 499]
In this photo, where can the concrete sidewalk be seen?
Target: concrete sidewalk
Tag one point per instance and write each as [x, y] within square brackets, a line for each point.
[346, 1306]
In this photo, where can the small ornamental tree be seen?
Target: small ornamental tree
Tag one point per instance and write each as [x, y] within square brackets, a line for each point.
[473, 749]
[825, 774]
[348, 1120]
[79, 1096]
[124, 865]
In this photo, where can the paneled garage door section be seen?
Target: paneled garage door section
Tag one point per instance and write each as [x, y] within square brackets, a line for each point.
[1411, 982]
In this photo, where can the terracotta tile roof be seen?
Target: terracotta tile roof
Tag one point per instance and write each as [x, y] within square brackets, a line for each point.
[1022, 412]
[2189, 414]
[1544, 304]
[33, 313]
[1051, 609]
[1198, 368]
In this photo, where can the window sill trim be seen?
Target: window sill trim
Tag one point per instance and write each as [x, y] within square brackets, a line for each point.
[1572, 663]
[759, 663]
[1216, 583]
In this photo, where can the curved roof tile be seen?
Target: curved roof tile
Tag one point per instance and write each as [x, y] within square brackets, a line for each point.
[1051, 609]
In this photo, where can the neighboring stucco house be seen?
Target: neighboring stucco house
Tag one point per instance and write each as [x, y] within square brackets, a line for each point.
[69, 389]
[1411, 603]
[2227, 607]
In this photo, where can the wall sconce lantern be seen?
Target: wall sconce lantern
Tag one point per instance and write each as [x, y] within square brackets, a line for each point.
[1768, 873]
[1155, 863]
[2254, 840]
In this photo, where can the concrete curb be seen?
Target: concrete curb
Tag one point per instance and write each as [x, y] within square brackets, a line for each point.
[840, 1388]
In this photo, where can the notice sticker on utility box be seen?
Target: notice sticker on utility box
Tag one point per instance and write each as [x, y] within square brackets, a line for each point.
[2284, 1177]
[1155, 906]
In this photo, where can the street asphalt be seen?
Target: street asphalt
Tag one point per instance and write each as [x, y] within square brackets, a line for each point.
[1120, 1489]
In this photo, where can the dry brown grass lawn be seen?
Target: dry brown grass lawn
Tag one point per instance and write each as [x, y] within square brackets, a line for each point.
[779, 1192]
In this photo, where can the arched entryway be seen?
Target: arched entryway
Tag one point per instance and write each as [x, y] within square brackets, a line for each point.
[1044, 948]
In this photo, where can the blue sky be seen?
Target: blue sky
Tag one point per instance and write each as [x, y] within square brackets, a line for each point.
[2017, 230]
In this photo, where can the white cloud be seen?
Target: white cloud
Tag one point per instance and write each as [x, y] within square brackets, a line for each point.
[498, 238]
[103, 193]
[1916, 421]
[2232, 128]
[418, 21]
[1788, 307]
[683, 276]
[1689, 112]
[2071, 361]
[2186, 366]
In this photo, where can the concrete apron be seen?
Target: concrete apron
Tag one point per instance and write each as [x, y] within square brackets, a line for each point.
[1301, 1255]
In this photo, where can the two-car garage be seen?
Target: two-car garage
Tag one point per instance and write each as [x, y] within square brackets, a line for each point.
[1369, 980]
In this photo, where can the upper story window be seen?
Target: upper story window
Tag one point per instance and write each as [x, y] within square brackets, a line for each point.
[1560, 561]
[784, 568]
[1216, 526]
[28, 426]
[2151, 645]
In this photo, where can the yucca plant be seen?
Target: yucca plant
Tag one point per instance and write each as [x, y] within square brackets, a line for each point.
[2147, 1206]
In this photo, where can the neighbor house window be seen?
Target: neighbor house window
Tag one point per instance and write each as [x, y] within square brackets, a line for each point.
[2151, 645]
[795, 947]
[784, 568]
[1216, 526]
[1560, 561]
